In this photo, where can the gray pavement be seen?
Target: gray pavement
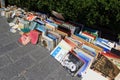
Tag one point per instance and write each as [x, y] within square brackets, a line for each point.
[30, 62]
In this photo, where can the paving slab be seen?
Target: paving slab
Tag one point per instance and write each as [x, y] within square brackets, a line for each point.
[30, 62]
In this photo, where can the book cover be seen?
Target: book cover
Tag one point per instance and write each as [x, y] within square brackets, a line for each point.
[70, 42]
[58, 36]
[60, 51]
[47, 42]
[97, 49]
[87, 61]
[32, 25]
[83, 37]
[105, 67]
[72, 63]
[53, 38]
[88, 35]
[64, 29]
[92, 75]
[113, 58]
[90, 49]
[40, 28]
[63, 34]
[50, 27]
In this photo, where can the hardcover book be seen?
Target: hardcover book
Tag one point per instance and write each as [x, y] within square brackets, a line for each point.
[105, 67]
[113, 58]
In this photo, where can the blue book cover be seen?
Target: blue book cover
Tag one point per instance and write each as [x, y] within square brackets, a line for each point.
[51, 36]
[83, 37]
[90, 49]
[41, 28]
[54, 38]
[32, 25]
[49, 20]
[105, 48]
[39, 22]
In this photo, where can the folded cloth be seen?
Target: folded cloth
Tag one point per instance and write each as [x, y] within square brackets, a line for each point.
[34, 36]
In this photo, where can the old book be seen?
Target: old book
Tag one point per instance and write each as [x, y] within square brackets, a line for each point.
[113, 58]
[105, 67]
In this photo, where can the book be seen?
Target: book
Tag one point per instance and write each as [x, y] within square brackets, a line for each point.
[63, 34]
[64, 29]
[47, 42]
[72, 63]
[54, 38]
[51, 26]
[30, 16]
[88, 35]
[90, 49]
[69, 26]
[61, 50]
[88, 59]
[101, 45]
[92, 75]
[40, 28]
[113, 58]
[70, 42]
[58, 36]
[32, 25]
[97, 49]
[105, 67]
[83, 37]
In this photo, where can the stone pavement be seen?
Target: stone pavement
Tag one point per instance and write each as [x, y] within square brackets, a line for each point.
[31, 62]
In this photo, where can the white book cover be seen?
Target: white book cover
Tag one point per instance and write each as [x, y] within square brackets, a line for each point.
[47, 42]
[92, 75]
[61, 50]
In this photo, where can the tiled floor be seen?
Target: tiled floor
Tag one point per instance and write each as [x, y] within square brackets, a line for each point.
[31, 62]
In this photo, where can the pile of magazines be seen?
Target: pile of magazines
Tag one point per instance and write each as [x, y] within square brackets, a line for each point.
[77, 48]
